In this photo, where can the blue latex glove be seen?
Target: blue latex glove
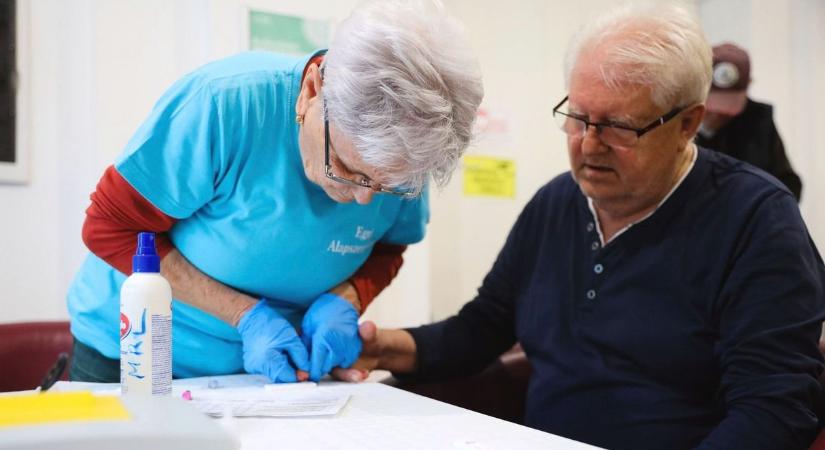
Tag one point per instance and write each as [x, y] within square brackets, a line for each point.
[268, 338]
[330, 332]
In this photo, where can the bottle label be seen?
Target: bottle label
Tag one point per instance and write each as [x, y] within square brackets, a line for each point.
[145, 352]
[161, 354]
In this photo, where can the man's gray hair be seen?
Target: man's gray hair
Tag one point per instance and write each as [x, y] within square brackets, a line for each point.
[657, 44]
[401, 81]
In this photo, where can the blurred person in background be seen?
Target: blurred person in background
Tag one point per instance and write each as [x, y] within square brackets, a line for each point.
[739, 126]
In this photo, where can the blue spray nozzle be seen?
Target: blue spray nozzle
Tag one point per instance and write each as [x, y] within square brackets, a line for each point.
[146, 257]
[146, 244]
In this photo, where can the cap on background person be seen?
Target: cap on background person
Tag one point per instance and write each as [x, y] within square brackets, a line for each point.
[731, 77]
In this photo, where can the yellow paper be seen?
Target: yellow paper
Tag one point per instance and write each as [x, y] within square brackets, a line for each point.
[492, 177]
[32, 409]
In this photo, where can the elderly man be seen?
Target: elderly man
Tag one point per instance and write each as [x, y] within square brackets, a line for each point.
[666, 295]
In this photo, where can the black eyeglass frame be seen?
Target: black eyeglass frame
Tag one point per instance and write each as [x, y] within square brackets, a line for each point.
[639, 131]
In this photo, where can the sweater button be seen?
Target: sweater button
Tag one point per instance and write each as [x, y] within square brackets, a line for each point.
[594, 246]
[591, 294]
[590, 226]
[598, 268]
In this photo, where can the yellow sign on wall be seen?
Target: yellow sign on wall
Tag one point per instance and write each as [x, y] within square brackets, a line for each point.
[485, 176]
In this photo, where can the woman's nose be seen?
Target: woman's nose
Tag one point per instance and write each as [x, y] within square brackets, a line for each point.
[363, 195]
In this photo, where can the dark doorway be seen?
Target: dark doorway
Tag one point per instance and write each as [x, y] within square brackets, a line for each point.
[8, 80]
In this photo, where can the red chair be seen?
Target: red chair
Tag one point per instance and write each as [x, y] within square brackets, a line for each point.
[28, 350]
[819, 443]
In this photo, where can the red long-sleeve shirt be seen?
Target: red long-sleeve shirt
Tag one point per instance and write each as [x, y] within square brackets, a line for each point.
[118, 212]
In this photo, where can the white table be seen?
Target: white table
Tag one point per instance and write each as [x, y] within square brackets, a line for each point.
[379, 416]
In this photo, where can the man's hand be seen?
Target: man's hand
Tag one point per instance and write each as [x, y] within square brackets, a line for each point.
[330, 332]
[367, 361]
[392, 350]
[271, 346]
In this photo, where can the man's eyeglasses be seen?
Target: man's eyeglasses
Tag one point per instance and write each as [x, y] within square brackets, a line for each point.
[611, 134]
[363, 182]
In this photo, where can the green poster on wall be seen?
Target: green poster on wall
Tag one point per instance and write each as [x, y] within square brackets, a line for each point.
[286, 34]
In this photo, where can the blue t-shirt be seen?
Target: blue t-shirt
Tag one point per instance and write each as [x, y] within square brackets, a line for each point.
[219, 152]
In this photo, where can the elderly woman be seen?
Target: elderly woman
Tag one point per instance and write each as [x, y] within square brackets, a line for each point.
[247, 169]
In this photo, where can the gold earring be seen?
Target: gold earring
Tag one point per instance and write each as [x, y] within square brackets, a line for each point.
[299, 119]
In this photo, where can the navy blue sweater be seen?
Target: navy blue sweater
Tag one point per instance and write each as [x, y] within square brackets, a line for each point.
[696, 327]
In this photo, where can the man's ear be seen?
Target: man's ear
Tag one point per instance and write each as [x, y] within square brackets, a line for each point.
[691, 119]
[310, 89]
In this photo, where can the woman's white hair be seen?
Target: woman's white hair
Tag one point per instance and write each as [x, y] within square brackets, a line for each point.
[656, 44]
[401, 81]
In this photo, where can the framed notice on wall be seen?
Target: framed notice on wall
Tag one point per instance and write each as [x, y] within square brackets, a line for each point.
[286, 34]
[13, 155]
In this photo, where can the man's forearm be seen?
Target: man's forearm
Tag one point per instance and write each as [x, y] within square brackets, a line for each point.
[197, 289]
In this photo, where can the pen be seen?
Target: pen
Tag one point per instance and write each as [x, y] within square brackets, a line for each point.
[55, 372]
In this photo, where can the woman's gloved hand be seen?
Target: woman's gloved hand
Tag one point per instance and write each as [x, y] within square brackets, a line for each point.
[330, 332]
[271, 345]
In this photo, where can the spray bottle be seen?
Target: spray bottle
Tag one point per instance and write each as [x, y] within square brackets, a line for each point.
[146, 325]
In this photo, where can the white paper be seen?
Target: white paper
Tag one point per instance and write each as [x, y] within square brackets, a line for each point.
[221, 382]
[290, 387]
[300, 402]
[96, 388]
